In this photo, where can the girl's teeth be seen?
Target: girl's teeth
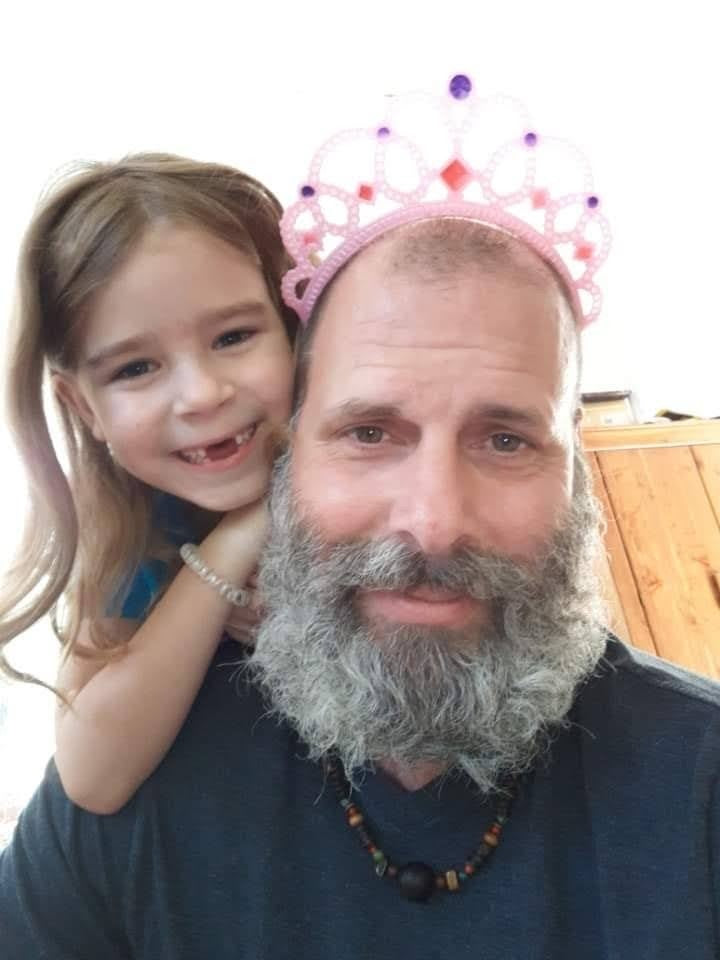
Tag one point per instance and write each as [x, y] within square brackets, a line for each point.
[245, 436]
[195, 456]
[199, 454]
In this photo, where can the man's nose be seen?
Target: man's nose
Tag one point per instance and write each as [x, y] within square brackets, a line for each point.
[201, 389]
[433, 509]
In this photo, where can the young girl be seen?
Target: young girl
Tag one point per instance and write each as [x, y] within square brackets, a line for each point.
[149, 297]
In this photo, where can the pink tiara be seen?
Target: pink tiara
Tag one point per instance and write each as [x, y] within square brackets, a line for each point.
[436, 157]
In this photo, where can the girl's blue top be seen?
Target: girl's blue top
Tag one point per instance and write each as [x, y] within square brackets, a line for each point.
[170, 514]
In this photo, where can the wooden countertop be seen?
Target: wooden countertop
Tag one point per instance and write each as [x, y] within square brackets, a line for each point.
[682, 433]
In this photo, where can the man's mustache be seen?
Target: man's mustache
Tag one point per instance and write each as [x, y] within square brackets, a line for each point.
[394, 564]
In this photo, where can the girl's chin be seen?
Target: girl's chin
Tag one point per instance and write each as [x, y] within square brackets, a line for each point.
[237, 495]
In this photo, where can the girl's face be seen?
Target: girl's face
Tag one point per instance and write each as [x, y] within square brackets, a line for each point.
[185, 368]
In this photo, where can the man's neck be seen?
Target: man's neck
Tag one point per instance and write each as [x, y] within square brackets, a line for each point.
[413, 777]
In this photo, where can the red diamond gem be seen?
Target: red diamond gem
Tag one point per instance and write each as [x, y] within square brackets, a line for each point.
[366, 192]
[540, 198]
[584, 251]
[310, 238]
[456, 175]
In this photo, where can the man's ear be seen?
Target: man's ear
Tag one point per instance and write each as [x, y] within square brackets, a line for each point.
[68, 391]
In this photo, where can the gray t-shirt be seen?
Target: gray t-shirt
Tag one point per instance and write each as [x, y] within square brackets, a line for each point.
[233, 849]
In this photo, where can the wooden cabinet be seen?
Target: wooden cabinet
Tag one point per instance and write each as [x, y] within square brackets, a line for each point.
[660, 488]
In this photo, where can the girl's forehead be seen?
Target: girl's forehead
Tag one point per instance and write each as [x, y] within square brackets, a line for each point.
[173, 276]
[170, 251]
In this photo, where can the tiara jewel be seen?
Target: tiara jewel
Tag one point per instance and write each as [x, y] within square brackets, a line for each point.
[455, 155]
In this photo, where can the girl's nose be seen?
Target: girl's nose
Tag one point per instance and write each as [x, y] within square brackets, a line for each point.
[202, 391]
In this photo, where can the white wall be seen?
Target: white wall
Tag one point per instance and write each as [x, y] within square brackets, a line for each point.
[635, 84]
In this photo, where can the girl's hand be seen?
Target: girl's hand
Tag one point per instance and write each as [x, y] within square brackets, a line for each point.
[243, 621]
[241, 625]
[246, 527]
[233, 547]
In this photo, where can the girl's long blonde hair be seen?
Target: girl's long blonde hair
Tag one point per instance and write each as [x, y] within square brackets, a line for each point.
[87, 532]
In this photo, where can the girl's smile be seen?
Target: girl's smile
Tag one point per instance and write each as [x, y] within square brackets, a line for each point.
[222, 451]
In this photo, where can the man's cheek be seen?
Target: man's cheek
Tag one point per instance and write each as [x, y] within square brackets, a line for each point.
[528, 522]
[338, 506]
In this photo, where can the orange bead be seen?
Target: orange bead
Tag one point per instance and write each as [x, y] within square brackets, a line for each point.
[355, 820]
[490, 839]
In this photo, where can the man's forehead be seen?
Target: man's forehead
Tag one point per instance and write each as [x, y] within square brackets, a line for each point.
[428, 379]
[372, 307]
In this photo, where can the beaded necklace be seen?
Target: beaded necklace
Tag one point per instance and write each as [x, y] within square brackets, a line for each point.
[415, 880]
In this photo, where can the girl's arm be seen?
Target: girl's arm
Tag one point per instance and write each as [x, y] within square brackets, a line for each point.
[126, 714]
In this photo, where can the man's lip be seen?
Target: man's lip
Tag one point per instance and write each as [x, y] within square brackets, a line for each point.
[432, 595]
[421, 605]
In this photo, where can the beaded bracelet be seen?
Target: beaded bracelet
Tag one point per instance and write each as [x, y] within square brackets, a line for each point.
[238, 596]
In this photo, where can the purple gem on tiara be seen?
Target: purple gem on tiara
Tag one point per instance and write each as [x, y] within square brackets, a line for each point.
[383, 131]
[530, 139]
[307, 190]
[593, 202]
[460, 86]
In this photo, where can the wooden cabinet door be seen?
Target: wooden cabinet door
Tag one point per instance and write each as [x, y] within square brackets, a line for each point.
[662, 505]
[625, 609]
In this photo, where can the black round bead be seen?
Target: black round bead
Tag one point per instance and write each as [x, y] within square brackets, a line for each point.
[416, 881]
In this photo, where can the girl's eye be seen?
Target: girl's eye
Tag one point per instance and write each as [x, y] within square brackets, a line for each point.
[131, 371]
[368, 435]
[233, 337]
[506, 442]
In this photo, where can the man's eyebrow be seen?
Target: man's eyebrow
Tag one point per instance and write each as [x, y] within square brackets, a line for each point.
[363, 410]
[523, 416]
[246, 309]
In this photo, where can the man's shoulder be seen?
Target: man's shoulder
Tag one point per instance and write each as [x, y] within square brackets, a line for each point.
[228, 702]
[661, 682]
[646, 706]
[228, 674]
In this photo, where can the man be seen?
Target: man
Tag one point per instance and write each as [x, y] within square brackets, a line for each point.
[432, 625]
[435, 749]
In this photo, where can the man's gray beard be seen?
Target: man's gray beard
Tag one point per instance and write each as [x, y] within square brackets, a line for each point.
[485, 699]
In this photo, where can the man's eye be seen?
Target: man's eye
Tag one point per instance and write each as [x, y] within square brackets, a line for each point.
[233, 337]
[506, 442]
[131, 371]
[368, 435]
